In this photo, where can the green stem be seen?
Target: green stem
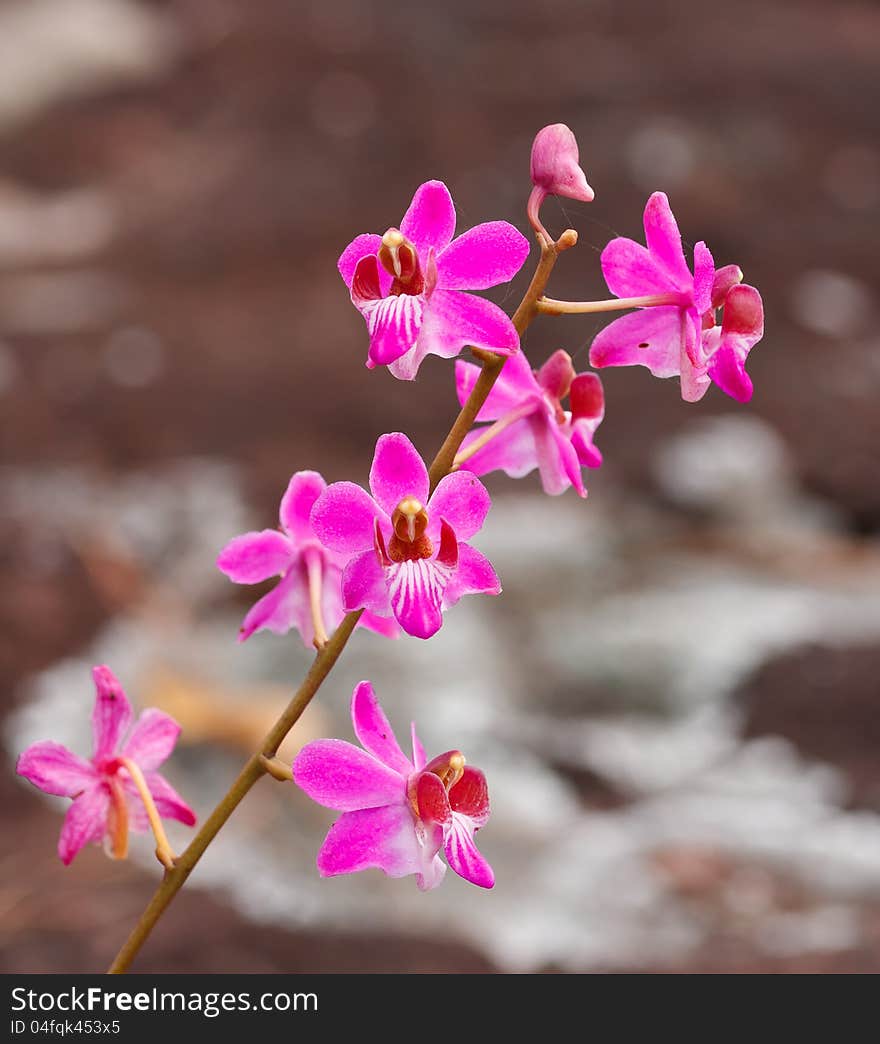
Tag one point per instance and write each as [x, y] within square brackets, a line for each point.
[175, 877]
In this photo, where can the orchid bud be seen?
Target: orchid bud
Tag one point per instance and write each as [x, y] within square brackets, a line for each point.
[555, 166]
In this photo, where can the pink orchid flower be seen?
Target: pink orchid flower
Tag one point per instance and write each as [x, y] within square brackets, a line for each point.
[407, 284]
[397, 813]
[674, 334]
[309, 593]
[119, 787]
[556, 170]
[406, 551]
[531, 429]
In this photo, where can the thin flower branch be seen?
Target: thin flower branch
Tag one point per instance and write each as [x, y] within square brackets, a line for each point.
[258, 764]
[548, 306]
[277, 768]
[164, 851]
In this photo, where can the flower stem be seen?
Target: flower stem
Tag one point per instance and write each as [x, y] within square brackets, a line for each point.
[489, 433]
[493, 364]
[547, 306]
[277, 768]
[533, 211]
[118, 820]
[315, 570]
[164, 851]
[256, 766]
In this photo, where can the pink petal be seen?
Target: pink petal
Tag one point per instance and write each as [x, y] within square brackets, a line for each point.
[463, 856]
[86, 821]
[470, 796]
[461, 500]
[650, 337]
[55, 769]
[343, 518]
[169, 804]
[555, 164]
[631, 271]
[727, 370]
[742, 327]
[374, 730]
[394, 324]
[433, 868]
[418, 750]
[299, 498]
[456, 320]
[557, 460]
[447, 555]
[339, 775]
[384, 838]
[725, 278]
[473, 575]
[704, 278]
[571, 462]
[397, 472]
[112, 713]
[511, 450]
[387, 626]
[363, 584]
[743, 314]
[432, 800]
[556, 375]
[694, 380]
[360, 246]
[430, 219]
[332, 609]
[582, 440]
[484, 256]
[587, 397]
[407, 366]
[664, 240]
[152, 739]
[280, 609]
[366, 288]
[252, 557]
[515, 385]
[416, 593]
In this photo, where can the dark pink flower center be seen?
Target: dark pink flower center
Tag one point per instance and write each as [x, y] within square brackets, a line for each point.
[398, 256]
[409, 540]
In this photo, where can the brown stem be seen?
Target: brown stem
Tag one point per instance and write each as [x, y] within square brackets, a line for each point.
[174, 878]
[493, 364]
[548, 306]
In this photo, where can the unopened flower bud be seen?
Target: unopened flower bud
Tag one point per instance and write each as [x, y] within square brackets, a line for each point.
[555, 166]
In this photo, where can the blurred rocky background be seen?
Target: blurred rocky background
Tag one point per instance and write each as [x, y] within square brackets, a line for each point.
[677, 696]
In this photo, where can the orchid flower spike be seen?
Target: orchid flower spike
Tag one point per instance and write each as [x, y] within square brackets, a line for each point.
[406, 550]
[397, 812]
[407, 284]
[556, 171]
[676, 335]
[531, 429]
[309, 594]
[119, 788]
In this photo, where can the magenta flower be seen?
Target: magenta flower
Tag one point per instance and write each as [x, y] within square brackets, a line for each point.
[309, 594]
[406, 551]
[119, 787]
[556, 170]
[531, 429]
[674, 334]
[397, 813]
[407, 284]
